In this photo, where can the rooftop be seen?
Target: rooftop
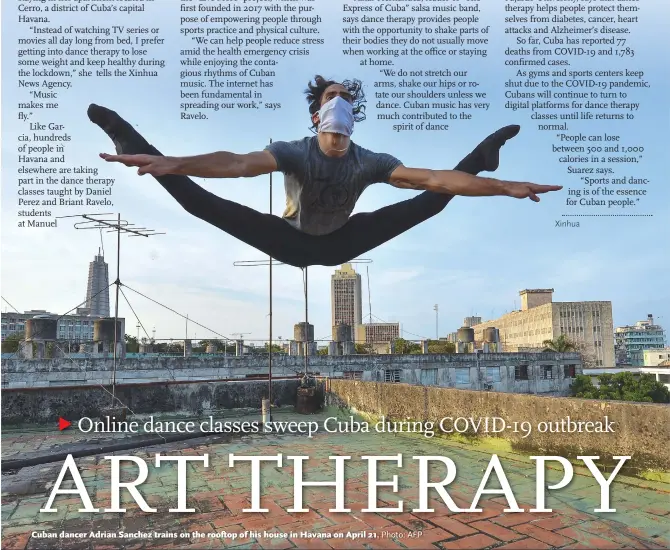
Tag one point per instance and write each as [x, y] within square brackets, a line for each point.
[219, 493]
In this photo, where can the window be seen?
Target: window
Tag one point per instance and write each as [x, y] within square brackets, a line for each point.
[392, 375]
[569, 371]
[521, 372]
[493, 374]
[429, 377]
[353, 375]
[547, 372]
[462, 376]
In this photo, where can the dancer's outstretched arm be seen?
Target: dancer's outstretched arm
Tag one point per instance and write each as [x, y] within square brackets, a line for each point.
[453, 182]
[213, 165]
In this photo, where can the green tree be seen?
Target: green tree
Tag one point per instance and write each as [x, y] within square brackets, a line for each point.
[132, 345]
[363, 349]
[405, 347]
[441, 346]
[658, 392]
[276, 348]
[562, 344]
[12, 342]
[565, 344]
[582, 386]
[623, 386]
[322, 351]
[175, 347]
[228, 346]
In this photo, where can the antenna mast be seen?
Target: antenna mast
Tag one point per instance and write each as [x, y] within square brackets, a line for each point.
[367, 271]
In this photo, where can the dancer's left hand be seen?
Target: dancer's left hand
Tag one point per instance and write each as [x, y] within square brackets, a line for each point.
[530, 191]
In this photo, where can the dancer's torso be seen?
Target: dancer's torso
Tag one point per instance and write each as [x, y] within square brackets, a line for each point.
[321, 191]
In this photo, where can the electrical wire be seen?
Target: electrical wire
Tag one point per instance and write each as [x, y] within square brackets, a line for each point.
[10, 305]
[404, 330]
[177, 313]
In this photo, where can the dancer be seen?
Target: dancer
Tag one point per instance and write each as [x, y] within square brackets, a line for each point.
[324, 176]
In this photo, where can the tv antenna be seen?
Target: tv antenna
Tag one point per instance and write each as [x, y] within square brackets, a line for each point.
[367, 273]
[103, 222]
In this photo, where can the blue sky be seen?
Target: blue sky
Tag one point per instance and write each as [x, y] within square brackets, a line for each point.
[471, 259]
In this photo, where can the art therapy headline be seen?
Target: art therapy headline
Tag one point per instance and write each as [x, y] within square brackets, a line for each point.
[423, 484]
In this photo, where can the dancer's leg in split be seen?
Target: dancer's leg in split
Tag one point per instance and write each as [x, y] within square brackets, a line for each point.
[265, 232]
[368, 230]
[275, 237]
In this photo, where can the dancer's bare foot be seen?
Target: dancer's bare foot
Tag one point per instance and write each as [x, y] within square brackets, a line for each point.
[126, 139]
[487, 153]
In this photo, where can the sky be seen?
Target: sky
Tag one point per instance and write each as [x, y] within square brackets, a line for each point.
[472, 259]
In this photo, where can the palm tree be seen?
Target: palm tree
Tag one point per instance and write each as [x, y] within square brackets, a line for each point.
[562, 344]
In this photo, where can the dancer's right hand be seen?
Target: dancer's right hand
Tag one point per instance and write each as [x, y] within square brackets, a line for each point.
[155, 165]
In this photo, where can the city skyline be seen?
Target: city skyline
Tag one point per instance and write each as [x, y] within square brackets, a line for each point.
[471, 259]
[347, 274]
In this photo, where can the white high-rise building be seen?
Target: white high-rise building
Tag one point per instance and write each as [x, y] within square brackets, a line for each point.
[97, 291]
[346, 298]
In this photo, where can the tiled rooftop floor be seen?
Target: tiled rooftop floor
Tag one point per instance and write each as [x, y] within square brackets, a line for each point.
[219, 494]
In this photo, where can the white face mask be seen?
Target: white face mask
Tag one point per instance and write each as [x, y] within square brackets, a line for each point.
[337, 116]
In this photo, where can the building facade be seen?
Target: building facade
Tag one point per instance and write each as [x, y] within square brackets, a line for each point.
[472, 321]
[589, 324]
[378, 335]
[71, 328]
[633, 341]
[97, 290]
[346, 299]
[654, 357]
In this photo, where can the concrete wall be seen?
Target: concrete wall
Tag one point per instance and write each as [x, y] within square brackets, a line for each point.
[22, 373]
[641, 430]
[46, 405]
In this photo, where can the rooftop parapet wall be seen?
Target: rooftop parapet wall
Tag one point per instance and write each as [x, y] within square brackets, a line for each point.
[641, 430]
[295, 364]
[45, 406]
[24, 373]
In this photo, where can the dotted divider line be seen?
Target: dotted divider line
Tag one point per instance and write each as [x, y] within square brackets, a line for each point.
[608, 215]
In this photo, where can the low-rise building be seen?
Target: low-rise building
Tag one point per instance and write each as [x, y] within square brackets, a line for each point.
[589, 324]
[73, 328]
[377, 335]
[654, 357]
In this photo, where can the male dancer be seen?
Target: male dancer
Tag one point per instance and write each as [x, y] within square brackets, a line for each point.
[324, 176]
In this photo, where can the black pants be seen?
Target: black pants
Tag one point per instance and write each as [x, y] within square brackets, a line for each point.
[275, 237]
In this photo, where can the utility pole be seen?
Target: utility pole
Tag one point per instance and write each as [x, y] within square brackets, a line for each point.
[437, 332]
[118, 226]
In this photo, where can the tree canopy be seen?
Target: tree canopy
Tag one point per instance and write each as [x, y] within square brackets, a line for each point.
[561, 344]
[623, 386]
[11, 343]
